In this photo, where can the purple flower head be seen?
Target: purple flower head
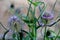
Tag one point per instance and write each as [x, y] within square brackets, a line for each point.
[14, 23]
[47, 16]
[14, 19]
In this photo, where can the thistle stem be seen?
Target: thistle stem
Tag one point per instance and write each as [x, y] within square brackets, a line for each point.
[28, 9]
[33, 34]
[45, 30]
[45, 34]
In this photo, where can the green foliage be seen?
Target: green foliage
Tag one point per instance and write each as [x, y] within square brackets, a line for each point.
[36, 3]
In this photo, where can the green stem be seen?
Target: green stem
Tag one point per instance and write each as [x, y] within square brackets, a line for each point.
[34, 11]
[33, 33]
[45, 30]
[28, 9]
[45, 34]
[41, 10]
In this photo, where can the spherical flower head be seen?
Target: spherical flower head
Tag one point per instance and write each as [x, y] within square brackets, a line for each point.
[14, 23]
[47, 16]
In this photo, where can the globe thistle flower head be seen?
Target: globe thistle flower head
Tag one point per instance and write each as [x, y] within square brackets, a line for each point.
[47, 16]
